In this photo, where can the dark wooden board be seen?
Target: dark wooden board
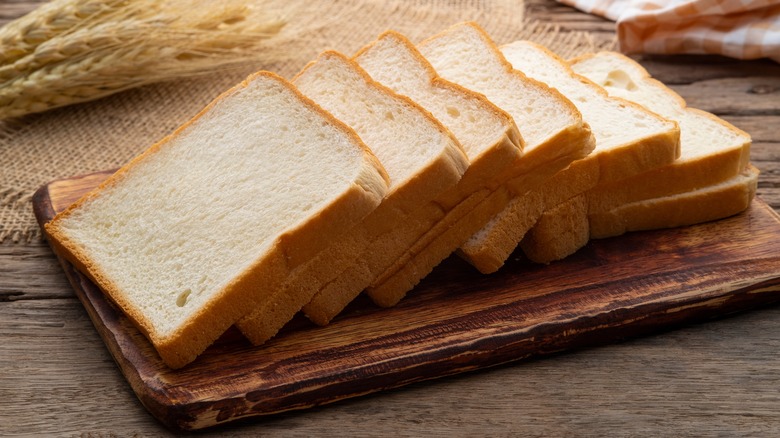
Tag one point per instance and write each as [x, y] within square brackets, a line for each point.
[456, 320]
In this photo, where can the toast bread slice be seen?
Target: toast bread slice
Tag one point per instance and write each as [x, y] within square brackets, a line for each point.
[212, 218]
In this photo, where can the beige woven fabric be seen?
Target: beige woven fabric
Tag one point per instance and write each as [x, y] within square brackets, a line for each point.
[106, 133]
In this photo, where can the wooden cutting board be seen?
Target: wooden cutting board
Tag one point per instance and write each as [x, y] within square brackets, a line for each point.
[456, 320]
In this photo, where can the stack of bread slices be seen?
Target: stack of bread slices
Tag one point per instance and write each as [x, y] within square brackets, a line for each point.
[364, 173]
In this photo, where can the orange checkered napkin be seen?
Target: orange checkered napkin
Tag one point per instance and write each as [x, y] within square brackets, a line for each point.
[743, 29]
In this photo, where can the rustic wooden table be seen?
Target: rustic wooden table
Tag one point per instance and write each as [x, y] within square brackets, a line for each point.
[718, 378]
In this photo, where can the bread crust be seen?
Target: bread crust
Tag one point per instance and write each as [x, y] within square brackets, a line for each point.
[505, 151]
[185, 343]
[449, 232]
[707, 204]
[500, 237]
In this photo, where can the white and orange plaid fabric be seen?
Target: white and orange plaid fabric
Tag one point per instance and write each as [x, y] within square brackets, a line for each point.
[743, 29]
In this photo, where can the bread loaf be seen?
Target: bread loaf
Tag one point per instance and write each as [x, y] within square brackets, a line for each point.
[709, 203]
[277, 198]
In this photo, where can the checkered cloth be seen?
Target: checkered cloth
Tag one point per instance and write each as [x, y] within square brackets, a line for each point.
[743, 29]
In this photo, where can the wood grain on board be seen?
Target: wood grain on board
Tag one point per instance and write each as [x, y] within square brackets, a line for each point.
[456, 320]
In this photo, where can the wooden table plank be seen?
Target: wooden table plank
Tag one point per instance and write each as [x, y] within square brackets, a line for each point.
[719, 378]
[763, 130]
[749, 96]
[568, 17]
[687, 69]
[16, 279]
[715, 378]
[456, 320]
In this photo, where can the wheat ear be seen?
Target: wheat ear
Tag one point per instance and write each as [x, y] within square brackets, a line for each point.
[126, 44]
[20, 37]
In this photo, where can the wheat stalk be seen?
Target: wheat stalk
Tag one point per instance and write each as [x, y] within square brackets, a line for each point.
[80, 50]
[20, 37]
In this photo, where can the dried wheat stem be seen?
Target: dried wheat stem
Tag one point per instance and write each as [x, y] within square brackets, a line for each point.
[120, 45]
[22, 36]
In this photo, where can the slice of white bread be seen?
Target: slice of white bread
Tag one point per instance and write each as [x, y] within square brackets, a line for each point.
[568, 225]
[488, 135]
[210, 220]
[706, 204]
[421, 156]
[629, 140]
[713, 151]
[552, 128]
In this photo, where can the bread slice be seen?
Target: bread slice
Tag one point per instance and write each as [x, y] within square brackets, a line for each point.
[552, 128]
[568, 225]
[421, 156]
[706, 204]
[629, 140]
[488, 135]
[713, 151]
[211, 219]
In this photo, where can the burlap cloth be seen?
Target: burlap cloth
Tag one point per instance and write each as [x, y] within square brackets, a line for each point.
[106, 133]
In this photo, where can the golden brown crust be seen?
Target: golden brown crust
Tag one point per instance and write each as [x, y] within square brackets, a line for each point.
[436, 245]
[576, 129]
[390, 287]
[636, 156]
[394, 286]
[570, 144]
[417, 188]
[504, 153]
[489, 253]
[549, 241]
[496, 52]
[669, 180]
[677, 177]
[707, 204]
